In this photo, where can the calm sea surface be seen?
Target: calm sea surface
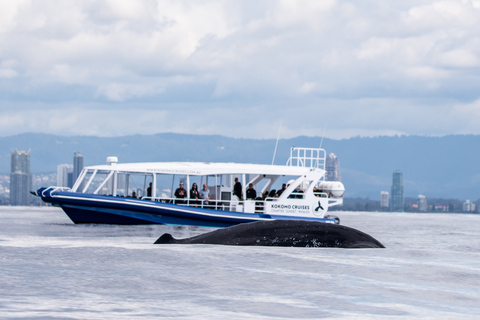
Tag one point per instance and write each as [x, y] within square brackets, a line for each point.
[53, 269]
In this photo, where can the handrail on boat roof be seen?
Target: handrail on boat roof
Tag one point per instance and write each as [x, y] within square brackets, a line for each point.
[307, 157]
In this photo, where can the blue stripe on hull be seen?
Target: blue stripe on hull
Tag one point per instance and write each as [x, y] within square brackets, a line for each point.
[93, 215]
[87, 208]
[82, 214]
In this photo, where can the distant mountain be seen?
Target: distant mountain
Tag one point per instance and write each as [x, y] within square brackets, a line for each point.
[441, 167]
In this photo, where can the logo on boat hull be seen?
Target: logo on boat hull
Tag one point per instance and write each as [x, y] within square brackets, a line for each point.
[319, 207]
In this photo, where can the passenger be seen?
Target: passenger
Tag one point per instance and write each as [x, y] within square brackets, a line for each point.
[149, 190]
[260, 206]
[180, 193]
[265, 195]
[251, 193]
[134, 195]
[279, 192]
[292, 195]
[194, 194]
[205, 194]
[237, 189]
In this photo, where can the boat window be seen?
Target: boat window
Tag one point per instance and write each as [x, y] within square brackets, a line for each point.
[137, 183]
[228, 180]
[93, 182]
[213, 180]
[121, 184]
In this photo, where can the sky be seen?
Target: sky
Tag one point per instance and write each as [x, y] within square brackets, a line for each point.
[245, 69]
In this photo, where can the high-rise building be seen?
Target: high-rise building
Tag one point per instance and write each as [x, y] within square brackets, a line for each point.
[20, 178]
[422, 203]
[64, 175]
[468, 206]
[77, 165]
[332, 167]
[384, 199]
[396, 203]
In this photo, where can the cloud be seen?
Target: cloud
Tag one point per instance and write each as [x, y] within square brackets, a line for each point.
[240, 68]
[122, 92]
[468, 116]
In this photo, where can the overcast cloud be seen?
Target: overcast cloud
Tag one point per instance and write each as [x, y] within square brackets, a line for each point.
[240, 68]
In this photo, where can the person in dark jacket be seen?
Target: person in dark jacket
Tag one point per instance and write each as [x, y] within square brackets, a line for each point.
[279, 192]
[237, 189]
[180, 193]
[194, 195]
[251, 193]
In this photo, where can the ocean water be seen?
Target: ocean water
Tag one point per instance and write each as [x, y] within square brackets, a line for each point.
[53, 269]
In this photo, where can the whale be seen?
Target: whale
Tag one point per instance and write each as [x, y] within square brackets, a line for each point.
[282, 233]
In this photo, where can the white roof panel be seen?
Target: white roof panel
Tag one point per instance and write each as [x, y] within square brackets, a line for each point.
[202, 168]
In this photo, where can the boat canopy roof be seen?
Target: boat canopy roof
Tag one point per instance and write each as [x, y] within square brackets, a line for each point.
[202, 168]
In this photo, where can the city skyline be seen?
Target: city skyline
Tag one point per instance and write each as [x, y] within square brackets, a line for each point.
[366, 164]
[417, 204]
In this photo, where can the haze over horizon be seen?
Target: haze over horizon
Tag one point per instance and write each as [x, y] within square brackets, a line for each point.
[337, 69]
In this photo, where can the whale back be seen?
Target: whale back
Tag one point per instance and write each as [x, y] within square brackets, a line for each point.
[285, 233]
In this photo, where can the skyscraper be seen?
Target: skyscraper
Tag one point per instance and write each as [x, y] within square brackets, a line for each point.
[396, 204]
[332, 168]
[77, 165]
[468, 206]
[20, 178]
[64, 175]
[422, 203]
[384, 199]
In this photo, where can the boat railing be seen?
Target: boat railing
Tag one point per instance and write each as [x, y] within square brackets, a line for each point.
[307, 157]
[221, 205]
[301, 195]
[200, 203]
[227, 205]
[53, 189]
[320, 194]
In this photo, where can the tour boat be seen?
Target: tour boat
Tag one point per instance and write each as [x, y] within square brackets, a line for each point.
[144, 193]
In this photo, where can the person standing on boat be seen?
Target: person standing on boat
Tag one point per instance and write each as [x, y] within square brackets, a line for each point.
[149, 190]
[237, 189]
[205, 194]
[194, 194]
[251, 193]
[180, 193]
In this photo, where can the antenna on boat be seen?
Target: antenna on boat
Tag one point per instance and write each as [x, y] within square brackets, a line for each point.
[323, 135]
[276, 144]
